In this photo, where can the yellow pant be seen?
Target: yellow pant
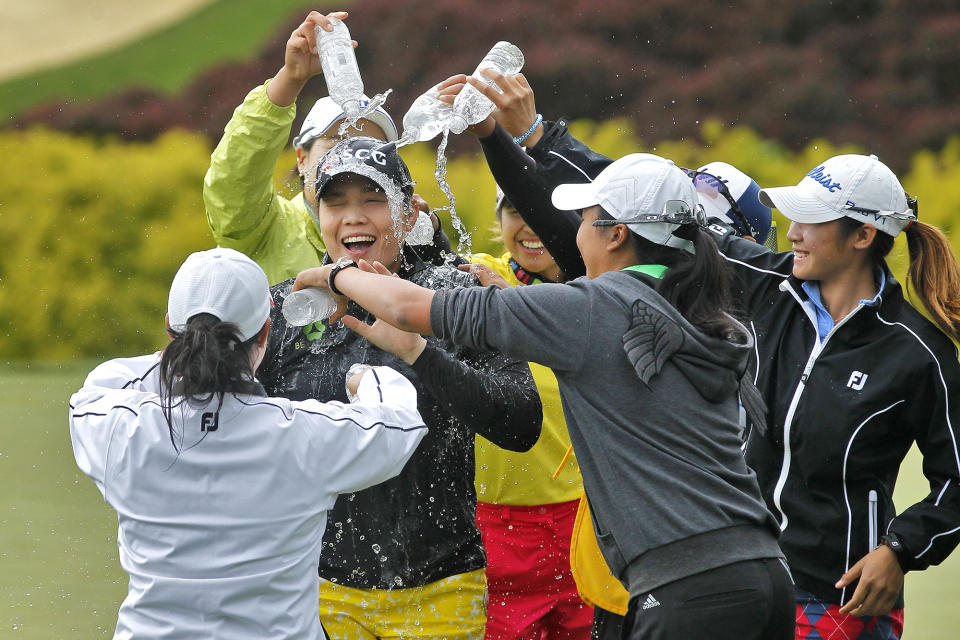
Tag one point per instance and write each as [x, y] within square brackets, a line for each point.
[452, 608]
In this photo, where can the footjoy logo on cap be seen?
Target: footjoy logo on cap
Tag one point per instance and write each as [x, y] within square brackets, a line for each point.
[817, 175]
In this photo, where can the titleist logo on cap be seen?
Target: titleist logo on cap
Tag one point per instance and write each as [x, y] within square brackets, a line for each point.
[817, 175]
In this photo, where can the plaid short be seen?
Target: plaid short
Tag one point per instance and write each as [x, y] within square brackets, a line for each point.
[820, 620]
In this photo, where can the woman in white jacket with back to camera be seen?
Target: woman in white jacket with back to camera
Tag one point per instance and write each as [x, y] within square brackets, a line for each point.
[221, 492]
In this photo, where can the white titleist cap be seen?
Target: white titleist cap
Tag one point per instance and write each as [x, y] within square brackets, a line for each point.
[640, 185]
[855, 186]
[224, 283]
[326, 112]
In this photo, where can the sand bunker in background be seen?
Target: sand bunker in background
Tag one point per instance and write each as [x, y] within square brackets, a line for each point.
[35, 34]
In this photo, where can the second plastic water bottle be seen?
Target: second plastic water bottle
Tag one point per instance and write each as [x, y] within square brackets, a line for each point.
[426, 118]
[471, 106]
[340, 69]
[307, 306]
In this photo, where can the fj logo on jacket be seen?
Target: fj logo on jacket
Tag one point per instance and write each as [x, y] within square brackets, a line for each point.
[857, 380]
[209, 421]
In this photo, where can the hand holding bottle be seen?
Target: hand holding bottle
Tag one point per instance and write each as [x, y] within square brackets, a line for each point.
[515, 110]
[426, 118]
[300, 60]
[340, 70]
[471, 105]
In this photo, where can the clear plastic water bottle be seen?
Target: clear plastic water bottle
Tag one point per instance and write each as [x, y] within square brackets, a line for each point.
[470, 106]
[422, 232]
[307, 306]
[340, 69]
[426, 118]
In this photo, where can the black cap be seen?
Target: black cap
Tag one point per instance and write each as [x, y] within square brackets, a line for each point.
[368, 157]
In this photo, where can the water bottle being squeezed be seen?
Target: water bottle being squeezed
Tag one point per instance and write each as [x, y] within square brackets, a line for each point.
[307, 306]
[470, 106]
[340, 70]
[426, 118]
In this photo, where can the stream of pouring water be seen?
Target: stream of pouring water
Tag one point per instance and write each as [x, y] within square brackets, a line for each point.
[372, 106]
[464, 240]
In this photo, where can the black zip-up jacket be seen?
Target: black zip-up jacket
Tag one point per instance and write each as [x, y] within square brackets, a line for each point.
[842, 415]
[420, 526]
[885, 378]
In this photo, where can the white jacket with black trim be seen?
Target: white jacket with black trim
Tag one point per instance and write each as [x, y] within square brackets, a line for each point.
[842, 414]
[221, 539]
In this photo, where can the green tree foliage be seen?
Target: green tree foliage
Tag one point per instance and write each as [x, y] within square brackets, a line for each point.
[90, 236]
[92, 231]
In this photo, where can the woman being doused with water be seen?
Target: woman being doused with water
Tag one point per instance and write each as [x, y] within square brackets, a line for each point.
[222, 492]
[411, 545]
[650, 361]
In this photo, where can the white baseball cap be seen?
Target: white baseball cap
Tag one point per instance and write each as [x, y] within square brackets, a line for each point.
[224, 283]
[855, 186]
[649, 194]
[326, 112]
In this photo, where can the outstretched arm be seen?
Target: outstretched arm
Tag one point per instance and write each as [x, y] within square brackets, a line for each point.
[489, 392]
[516, 172]
[397, 302]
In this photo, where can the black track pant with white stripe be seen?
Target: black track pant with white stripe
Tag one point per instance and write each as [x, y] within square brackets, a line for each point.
[749, 600]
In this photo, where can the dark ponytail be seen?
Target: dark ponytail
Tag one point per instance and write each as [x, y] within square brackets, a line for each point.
[206, 359]
[933, 274]
[698, 285]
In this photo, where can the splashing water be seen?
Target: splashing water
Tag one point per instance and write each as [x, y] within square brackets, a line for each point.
[372, 106]
[464, 239]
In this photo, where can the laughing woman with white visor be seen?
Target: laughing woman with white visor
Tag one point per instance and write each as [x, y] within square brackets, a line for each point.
[852, 376]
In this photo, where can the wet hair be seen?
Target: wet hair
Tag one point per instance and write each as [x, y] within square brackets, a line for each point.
[933, 274]
[698, 285]
[206, 359]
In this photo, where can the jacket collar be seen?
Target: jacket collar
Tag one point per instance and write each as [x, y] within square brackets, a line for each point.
[890, 296]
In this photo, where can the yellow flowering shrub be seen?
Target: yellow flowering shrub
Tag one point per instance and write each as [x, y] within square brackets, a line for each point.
[92, 231]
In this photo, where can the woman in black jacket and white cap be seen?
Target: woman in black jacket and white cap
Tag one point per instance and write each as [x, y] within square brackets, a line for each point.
[649, 362]
[852, 376]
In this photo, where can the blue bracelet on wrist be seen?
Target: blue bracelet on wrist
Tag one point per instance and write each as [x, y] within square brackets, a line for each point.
[529, 132]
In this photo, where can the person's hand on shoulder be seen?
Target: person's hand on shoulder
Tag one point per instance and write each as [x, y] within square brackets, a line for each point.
[405, 345]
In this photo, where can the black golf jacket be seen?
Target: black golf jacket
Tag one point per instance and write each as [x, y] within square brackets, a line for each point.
[418, 527]
[842, 414]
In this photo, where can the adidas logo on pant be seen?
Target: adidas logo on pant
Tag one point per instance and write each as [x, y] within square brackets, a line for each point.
[650, 602]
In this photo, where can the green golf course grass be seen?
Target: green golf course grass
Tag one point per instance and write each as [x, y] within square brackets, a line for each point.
[60, 574]
[166, 61]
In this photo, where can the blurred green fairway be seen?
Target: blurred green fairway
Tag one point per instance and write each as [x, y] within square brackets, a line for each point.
[166, 61]
[59, 573]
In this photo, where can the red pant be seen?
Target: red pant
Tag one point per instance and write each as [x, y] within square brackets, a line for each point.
[531, 591]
